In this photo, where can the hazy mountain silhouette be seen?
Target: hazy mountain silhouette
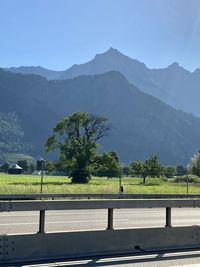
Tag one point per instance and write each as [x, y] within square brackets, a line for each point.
[49, 74]
[142, 124]
[173, 85]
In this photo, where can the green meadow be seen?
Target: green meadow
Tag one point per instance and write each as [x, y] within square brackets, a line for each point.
[24, 184]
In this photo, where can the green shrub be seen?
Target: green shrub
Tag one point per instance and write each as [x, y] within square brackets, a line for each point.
[183, 179]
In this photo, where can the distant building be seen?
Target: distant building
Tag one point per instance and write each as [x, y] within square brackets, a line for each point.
[15, 169]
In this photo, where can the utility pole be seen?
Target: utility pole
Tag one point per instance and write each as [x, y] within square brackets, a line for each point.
[187, 183]
[121, 187]
[42, 174]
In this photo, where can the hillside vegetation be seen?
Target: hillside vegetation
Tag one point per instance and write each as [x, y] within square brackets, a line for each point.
[173, 85]
[11, 135]
[141, 124]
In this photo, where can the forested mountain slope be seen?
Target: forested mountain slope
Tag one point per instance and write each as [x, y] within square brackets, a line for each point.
[11, 135]
[141, 124]
[173, 85]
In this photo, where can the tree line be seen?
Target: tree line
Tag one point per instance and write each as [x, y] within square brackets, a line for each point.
[76, 138]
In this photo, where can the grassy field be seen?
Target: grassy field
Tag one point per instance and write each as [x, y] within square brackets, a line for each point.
[20, 184]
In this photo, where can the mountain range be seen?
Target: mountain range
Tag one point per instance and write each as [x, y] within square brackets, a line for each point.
[173, 85]
[141, 124]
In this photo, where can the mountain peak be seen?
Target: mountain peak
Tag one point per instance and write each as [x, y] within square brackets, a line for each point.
[110, 52]
[174, 65]
[113, 50]
[197, 71]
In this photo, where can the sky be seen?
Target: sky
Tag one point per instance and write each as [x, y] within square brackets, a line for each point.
[56, 34]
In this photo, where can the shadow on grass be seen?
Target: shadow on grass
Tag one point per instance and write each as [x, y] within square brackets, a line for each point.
[44, 183]
[147, 184]
[54, 183]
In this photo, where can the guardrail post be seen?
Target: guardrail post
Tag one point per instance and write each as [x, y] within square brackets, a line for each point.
[168, 217]
[42, 222]
[110, 219]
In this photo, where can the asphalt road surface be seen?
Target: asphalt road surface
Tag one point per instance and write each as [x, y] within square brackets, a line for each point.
[167, 260]
[78, 220]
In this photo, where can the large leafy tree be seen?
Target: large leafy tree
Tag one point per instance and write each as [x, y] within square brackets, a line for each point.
[136, 168]
[76, 139]
[194, 166]
[169, 171]
[149, 168]
[126, 170]
[4, 167]
[108, 165]
[140, 168]
[154, 168]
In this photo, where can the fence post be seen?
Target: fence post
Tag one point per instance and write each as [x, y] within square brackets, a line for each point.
[110, 219]
[42, 222]
[168, 217]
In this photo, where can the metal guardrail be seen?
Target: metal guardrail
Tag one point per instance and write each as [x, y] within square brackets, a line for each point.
[94, 196]
[36, 205]
[69, 245]
[44, 205]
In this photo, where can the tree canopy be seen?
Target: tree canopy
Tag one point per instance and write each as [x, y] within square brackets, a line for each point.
[194, 166]
[108, 165]
[149, 168]
[76, 139]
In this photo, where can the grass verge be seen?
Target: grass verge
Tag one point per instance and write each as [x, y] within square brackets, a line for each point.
[27, 184]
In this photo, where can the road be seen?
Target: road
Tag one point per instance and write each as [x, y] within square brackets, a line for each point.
[77, 220]
[168, 260]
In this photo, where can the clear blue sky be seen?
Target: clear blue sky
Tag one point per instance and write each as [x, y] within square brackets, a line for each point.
[58, 33]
